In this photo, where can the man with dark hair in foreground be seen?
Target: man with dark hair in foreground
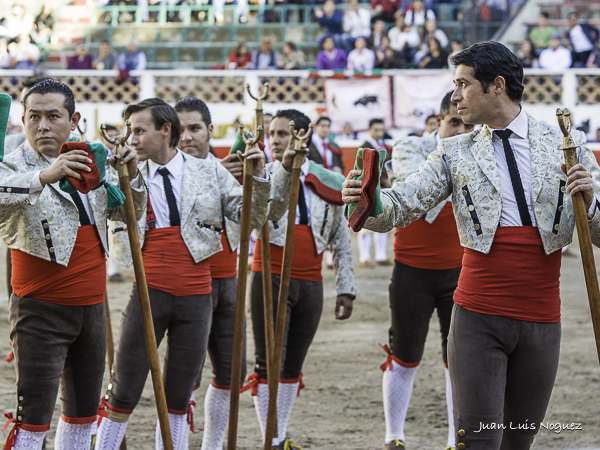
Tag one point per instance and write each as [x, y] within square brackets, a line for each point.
[57, 242]
[427, 260]
[511, 200]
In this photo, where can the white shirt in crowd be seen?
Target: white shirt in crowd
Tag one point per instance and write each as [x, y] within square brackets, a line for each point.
[558, 59]
[357, 24]
[361, 61]
[322, 145]
[416, 19]
[399, 39]
[156, 188]
[579, 40]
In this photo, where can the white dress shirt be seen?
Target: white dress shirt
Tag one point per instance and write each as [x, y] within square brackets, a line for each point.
[36, 189]
[559, 59]
[156, 188]
[357, 24]
[579, 40]
[361, 61]
[325, 152]
[307, 192]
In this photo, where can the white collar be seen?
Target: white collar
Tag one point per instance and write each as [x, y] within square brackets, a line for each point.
[174, 166]
[305, 167]
[519, 126]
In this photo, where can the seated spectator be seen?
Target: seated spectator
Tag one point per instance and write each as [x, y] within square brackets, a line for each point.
[386, 57]
[431, 30]
[4, 55]
[106, 58]
[378, 32]
[527, 54]
[347, 132]
[357, 23]
[331, 19]
[417, 14]
[540, 35]
[23, 54]
[82, 60]
[385, 9]
[292, 59]
[18, 23]
[555, 57]
[404, 39]
[583, 37]
[361, 58]
[331, 58]
[240, 58]
[132, 58]
[455, 47]
[44, 23]
[265, 58]
[437, 58]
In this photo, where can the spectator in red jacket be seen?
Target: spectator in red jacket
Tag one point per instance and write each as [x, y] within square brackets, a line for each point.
[240, 58]
[385, 9]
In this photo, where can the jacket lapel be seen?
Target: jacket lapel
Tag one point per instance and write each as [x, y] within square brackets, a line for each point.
[541, 150]
[483, 152]
[189, 177]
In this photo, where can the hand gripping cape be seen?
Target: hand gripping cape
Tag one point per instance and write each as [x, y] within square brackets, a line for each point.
[94, 179]
[370, 161]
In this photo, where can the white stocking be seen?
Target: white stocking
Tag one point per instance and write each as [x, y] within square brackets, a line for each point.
[397, 389]
[381, 240]
[110, 434]
[261, 406]
[364, 245]
[29, 440]
[73, 436]
[216, 417]
[286, 397]
[451, 433]
[185, 445]
[179, 427]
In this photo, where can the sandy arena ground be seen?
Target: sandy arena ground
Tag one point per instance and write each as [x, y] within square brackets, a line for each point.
[341, 406]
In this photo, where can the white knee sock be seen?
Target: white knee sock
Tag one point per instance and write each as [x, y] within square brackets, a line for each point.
[397, 389]
[451, 433]
[364, 246]
[179, 427]
[286, 397]
[381, 240]
[29, 440]
[110, 434]
[73, 436]
[216, 418]
[185, 445]
[261, 406]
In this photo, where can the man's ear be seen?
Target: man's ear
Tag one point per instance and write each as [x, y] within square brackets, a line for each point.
[166, 129]
[210, 131]
[75, 118]
[438, 119]
[499, 85]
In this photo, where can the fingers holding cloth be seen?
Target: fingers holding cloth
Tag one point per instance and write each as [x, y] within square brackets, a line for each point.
[369, 163]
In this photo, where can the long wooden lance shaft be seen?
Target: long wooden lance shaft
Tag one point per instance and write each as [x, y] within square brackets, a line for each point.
[583, 231]
[284, 287]
[144, 298]
[110, 343]
[238, 333]
[269, 319]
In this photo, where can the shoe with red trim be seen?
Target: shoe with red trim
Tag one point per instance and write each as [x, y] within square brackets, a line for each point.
[396, 443]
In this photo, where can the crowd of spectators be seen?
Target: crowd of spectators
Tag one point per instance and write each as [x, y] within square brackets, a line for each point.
[548, 48]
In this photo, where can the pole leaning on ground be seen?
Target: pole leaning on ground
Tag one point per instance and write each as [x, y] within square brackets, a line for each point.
[583, 231]
[238, 334]
[284, 288]
[265, 246]
[142, 287]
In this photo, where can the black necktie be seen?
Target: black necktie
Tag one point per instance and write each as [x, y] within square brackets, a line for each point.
[302, 206]
[173, 213]
[83, 217]
[515, 177]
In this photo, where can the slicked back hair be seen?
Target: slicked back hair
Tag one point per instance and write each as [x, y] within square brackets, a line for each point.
[191, 104]
[375, 122]
[446, 104]
[490, 60]
[322, 119]
[161, 113]
[301, 120]
[51, 86]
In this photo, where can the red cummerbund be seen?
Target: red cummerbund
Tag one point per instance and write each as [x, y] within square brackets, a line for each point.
[515, 279]
[224, 263]
[306, 264]
[169, 266]
[430, 246]
[82, 282]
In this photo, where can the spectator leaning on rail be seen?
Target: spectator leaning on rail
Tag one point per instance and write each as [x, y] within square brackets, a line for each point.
[265, 58]
[81, 60]
[361, 58]
[292, 58]
[106, 58]
[540, 35]
[583, 37]
[331, 58]
[132, 58]
[555, 57]
[239, 58]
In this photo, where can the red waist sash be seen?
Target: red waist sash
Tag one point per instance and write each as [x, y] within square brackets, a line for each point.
[224, 263]
[169, 266]
[430, 246]
[82, 282]
[515, 279]
[306, 264]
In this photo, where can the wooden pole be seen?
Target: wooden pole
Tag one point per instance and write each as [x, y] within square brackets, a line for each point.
[284, 285]
[583, 231]
[265, 247]
[142, 287]
[238, 334]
